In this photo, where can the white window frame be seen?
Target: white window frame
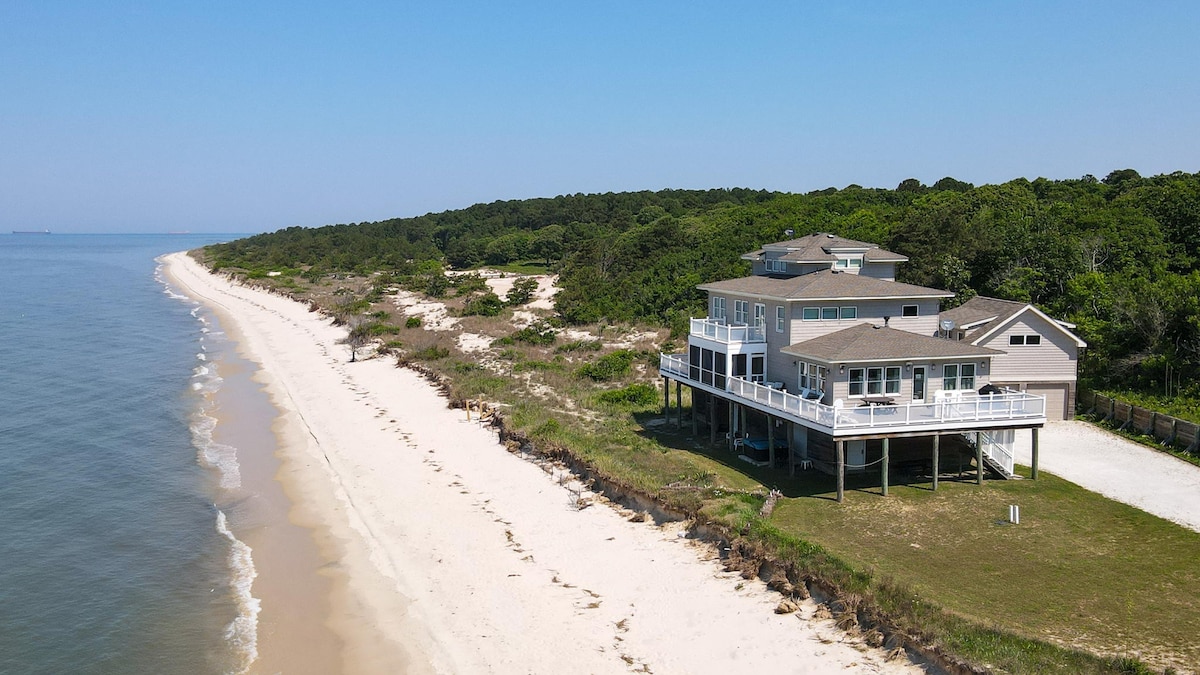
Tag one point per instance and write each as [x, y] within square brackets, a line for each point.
[1024, 340]
[828, 310]
[891, 380]
[855, 262]
[780, 318]
[861, 382]
[916, 311]
[875, 380]
[718, 307]
[848, 312]
[960, 380]
[760, 316]
[804, 314]
[741, 311]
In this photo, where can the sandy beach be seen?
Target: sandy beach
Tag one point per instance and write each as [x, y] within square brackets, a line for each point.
[448, 554]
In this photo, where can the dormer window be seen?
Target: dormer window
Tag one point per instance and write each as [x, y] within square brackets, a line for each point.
[779, 266]
[853, 263]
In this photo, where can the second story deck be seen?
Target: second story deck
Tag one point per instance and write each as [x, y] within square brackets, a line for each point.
[961, 412]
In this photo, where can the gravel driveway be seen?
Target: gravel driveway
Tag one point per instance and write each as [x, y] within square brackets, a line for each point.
[1103, 462]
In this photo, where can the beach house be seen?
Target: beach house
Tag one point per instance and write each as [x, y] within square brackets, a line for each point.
[821, 359]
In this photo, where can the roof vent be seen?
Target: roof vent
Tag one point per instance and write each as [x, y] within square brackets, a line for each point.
[789, 232]
[885, 320]
[829, 235]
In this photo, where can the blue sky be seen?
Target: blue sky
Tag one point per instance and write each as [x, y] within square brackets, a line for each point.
[252, 116]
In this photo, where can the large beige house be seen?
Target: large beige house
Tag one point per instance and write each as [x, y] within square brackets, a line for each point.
[822, 352]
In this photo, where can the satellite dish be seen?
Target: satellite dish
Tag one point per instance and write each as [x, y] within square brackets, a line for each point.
[947, 325]
[789, 232]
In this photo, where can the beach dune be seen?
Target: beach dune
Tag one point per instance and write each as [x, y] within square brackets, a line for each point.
[449, 554]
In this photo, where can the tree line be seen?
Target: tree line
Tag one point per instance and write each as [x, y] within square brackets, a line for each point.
[1118, 256]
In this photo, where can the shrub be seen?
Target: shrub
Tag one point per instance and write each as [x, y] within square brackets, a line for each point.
[486, 304]
[522, 291]
[431, 353]
[634, 395]
[608, 367]
[537, 333]
[580, 346]
[412, 322]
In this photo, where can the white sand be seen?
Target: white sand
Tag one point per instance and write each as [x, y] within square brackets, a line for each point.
[455, 556]
[1128, 472]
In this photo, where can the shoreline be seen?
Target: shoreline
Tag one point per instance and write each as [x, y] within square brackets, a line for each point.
[449, 554]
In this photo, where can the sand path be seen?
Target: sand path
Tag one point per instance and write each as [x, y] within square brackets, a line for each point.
[456, 556]
[1103, 462]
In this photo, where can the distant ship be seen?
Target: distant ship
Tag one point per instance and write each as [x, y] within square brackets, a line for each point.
[179, 232]
[31, 231]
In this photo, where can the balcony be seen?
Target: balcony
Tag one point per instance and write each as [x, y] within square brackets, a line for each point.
[967, 411]
[719, 331]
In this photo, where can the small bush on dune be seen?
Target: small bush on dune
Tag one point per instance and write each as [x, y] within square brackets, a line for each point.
[633, 395]
[608, 367]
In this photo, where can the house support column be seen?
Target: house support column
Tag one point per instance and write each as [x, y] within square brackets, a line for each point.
[1033, 470]
[841, 471]
[731, 421]
[978, 460]
[678, 405]
[787, 429]
[666, 400]
[883, 473]
[712, 418]
[936, 440]
[693, 397]
[771, 440]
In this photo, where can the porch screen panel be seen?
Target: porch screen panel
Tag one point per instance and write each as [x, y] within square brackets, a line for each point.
[694, 362]
[757, 369]
[719, 367]
[706, 366]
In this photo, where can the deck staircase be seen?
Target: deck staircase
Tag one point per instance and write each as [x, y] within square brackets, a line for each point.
[998, 448]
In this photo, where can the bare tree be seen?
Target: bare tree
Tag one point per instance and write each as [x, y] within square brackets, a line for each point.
[359, 335]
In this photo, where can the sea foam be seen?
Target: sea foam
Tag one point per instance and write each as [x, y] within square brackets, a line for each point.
[242, 632]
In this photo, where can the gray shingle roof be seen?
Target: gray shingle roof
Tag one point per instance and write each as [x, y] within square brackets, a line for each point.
[818, 247]
[867, 342]
[822, 285]
[980, 308]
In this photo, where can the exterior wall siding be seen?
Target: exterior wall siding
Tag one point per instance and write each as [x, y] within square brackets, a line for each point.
[869, 311]
[1054, 360]
[885, 271]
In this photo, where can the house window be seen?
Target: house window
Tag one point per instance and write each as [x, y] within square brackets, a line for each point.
[910, 311]
[891, 380]
[857, 381]
[741, 310]
[958, 376]
[818, 381]
[874, 381]
[776, 266]
[780, 321]
[849, 312]
[718, 309]
[760, 316]
[803, 375]
[848, 263]
[829, 313]
[1024, 339]
[811, 313]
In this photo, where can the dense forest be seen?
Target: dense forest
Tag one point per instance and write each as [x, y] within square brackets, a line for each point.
[1119, 257]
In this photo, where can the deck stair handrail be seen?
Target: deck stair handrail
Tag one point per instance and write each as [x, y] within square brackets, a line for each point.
[998, 451]
[720, 331]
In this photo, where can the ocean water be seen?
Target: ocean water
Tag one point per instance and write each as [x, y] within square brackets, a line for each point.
[115, 550]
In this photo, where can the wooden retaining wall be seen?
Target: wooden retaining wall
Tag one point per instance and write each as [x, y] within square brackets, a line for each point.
[1164, 428]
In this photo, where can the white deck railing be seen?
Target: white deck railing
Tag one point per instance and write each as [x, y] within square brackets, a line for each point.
[722, 332]
[965, 407]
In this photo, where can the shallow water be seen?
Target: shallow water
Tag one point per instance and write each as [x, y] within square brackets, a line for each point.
[116, 552]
